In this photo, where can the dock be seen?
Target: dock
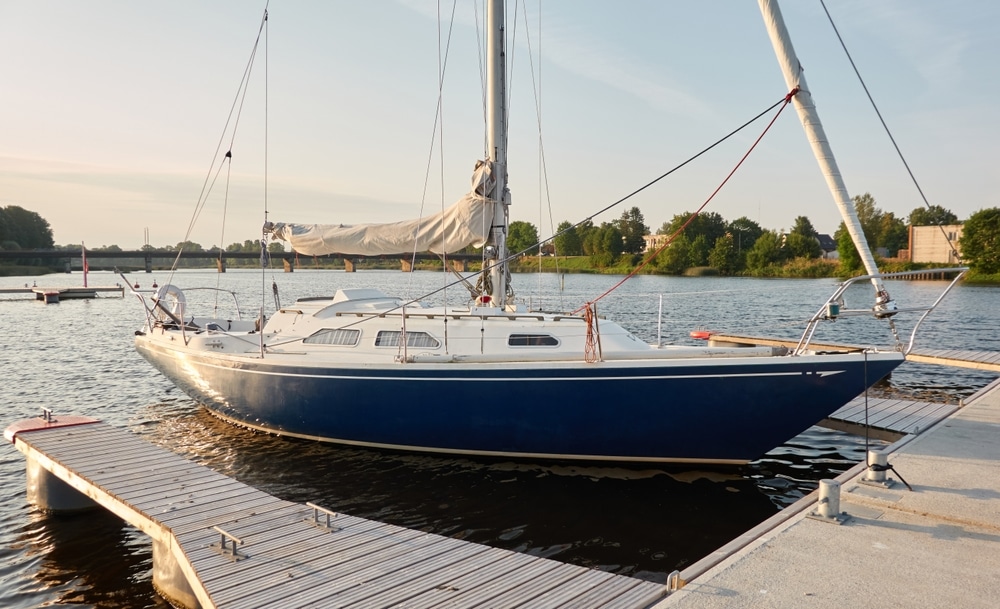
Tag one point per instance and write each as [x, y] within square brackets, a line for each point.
[937, 545]
[54, 295]
[887, 419]
[220, 543]
[959, 358]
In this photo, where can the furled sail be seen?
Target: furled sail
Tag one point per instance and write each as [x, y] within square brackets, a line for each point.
[467, 222]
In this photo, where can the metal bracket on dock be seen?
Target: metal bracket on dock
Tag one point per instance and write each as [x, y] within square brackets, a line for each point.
[315, 521]
[223, 548]
[46, 415]
[674, 582]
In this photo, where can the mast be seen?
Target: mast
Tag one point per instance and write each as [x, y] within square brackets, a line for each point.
[496, 141]
[794, 78]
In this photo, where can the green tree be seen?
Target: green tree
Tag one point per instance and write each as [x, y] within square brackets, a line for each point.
[674, 259]
[870, 217]
[745, 233]
[893, 234]
[567, 240]
[612, 241]
[522, 236]
[603, 245]
[980, 241]
[189, 246]
[935, 215]
[699, 250]
[710, 224]
[24, 229]
[766, 251]
[724, 257]
[850, 259]
[633, 228]
[803, 227]
[803, 246]
[4, 228]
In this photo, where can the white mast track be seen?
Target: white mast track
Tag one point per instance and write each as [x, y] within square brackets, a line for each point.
[497, 149]
[795, 78]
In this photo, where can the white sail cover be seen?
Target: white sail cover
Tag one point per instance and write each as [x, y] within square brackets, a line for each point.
[464, 223]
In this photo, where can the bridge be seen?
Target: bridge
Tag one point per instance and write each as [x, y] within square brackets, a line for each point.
[289, 259]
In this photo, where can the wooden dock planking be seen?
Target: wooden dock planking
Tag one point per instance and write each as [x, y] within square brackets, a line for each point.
[565, 594]
[288, 560]
[618, 594]
[896, 416]
[360, 580]
[916, 416]
[301, 566]
[395, 588]
[960, 358]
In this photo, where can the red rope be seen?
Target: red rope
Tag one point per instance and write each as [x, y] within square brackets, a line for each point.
[666, 244]
[590, 346]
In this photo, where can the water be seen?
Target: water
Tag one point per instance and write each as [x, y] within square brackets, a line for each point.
[77, 357]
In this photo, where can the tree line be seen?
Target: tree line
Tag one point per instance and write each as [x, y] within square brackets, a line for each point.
[743, 247]
[735, 247]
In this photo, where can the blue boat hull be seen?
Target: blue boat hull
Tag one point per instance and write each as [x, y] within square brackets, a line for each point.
[723, 412]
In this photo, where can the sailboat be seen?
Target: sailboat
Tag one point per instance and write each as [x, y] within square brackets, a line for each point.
[492, 377]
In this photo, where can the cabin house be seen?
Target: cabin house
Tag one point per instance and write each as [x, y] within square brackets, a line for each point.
[829, 246]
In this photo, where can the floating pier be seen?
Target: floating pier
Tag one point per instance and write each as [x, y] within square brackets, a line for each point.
[54, 295]
[887, 419]
[959, 358]
[220, 543]
[929, 541]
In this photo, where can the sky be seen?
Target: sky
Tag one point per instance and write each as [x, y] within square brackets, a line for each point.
[111, 112]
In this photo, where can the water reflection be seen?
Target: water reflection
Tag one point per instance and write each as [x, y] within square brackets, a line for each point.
[638, 521]
[87, 559]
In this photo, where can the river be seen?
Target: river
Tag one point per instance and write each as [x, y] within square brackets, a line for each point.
[77, 357]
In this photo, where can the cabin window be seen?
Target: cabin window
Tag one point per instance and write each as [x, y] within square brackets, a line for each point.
[532, 340]
[391, 338]
[331, 336]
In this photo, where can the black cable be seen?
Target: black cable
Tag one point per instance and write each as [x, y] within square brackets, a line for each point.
[884, 125]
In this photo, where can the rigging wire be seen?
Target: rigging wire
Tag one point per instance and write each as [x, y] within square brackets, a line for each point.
[649, 184]
[543, 184]
[437, 130]
[885, 126]
[784, 104]
[784, 100]
[234, 111]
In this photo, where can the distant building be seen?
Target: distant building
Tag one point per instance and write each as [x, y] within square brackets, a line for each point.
[938, 244]
[653, 242]
[828, 244]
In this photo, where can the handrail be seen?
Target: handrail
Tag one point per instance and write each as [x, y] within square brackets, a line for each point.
[831, 308]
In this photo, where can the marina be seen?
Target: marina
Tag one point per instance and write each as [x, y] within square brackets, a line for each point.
[644, 523]
[507, 437]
